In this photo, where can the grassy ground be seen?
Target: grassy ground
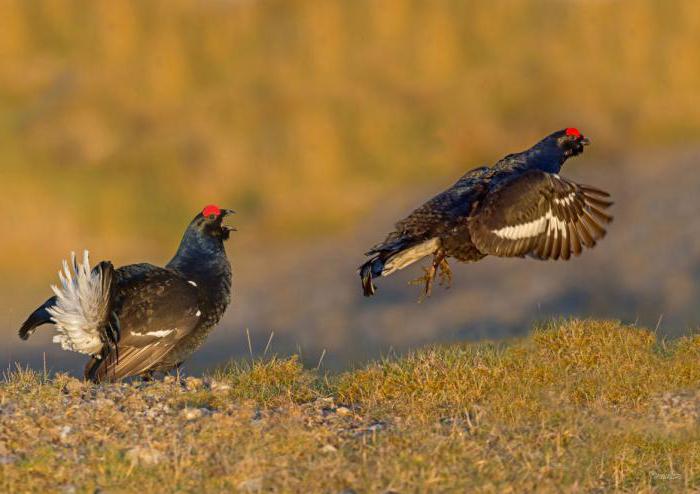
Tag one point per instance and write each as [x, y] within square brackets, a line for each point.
[579, 406]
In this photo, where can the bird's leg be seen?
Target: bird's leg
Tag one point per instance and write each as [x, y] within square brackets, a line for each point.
[429, 277]
[179, 374]
[426, 280]
[445, 273]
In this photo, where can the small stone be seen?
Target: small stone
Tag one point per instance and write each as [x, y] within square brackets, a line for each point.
[104, 403]
[65, 432]
[251, 485]
[329, 448]
[343, 411]
[7, 459]
[219, 387]
[193, 413]
[140, 455]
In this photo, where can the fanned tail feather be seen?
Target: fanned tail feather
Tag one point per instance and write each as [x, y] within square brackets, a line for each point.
[83, 306]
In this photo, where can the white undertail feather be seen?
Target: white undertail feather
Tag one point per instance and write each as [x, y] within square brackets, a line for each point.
[80, 307]
[409, 256]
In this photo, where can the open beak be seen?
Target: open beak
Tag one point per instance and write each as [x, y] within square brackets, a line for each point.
[226, 228]
[585, 141]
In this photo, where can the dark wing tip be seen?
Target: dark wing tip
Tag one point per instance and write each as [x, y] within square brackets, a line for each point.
[594, 190]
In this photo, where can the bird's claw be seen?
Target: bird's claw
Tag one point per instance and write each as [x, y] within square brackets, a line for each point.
[439, 267]
[427, 281]
[445, 274]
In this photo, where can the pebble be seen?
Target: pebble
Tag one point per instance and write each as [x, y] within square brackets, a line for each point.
[103, 403]
[219, 387]
[193, 413]
[7, 459]
[65, 432]
[329, 448]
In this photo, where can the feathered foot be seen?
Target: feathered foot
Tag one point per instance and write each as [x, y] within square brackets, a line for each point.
[445, 273]
[440, 265]
[427, 281]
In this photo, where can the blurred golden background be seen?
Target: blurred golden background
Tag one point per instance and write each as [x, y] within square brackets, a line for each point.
[120, 120]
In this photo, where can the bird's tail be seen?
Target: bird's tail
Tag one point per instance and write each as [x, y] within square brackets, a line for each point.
[83, 305]
[369, 270]
[385, 261]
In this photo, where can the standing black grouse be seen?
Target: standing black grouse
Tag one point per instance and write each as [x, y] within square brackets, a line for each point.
[519, 206]
[142, 318]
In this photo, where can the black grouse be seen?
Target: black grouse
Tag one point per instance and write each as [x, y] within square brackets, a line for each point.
[519, 206]
[141, 318]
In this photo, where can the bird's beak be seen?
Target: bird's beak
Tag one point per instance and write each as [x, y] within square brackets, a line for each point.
[585, 141]
[226, 228]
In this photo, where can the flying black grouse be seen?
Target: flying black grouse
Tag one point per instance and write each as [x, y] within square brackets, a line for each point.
[519, 206]
[142, 318]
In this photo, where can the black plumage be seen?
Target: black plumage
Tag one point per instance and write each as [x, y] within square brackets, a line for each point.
[147, 318]
[519, 206]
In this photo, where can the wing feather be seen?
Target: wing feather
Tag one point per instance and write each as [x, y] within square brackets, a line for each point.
[156, 308]
[539, 214]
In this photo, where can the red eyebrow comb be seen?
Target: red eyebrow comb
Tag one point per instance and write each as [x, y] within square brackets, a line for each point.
[573, 131]
[211, 209]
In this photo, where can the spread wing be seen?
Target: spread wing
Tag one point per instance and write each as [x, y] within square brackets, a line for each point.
[155, 308]
[539, 214]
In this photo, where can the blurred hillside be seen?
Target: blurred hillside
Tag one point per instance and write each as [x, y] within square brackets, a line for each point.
[121, 119]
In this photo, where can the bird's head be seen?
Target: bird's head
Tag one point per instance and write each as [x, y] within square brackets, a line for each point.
[571, 141]
[202, 246]
[209, 222]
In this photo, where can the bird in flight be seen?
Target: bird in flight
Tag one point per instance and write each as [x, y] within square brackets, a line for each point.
[140, 319]
[518, 207]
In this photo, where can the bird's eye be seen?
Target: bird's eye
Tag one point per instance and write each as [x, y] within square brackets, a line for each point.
[212, 216]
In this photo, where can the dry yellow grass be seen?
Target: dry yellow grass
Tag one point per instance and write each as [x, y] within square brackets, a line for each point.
[580, 406]
[120, 119]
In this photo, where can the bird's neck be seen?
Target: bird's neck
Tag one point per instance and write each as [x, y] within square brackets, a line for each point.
[201, 259]
[545, 156]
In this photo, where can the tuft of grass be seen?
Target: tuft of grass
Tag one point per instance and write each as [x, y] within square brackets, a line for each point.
[580, 405]
[267, 381]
